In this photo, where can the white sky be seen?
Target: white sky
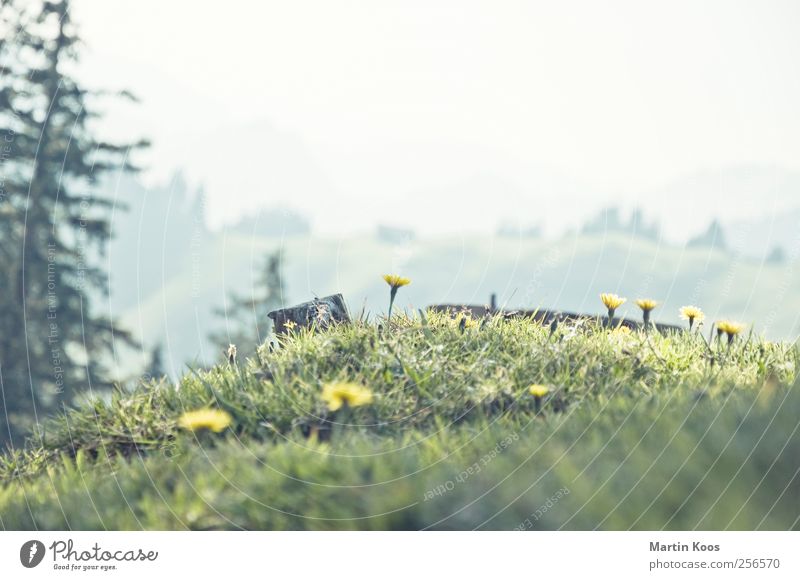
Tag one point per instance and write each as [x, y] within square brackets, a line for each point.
[365, 101]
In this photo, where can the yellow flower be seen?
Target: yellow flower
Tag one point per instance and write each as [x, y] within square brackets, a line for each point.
[350, 394]
[646, 304]
[612, 301]
[214, 420]
[466, 319]
[692, 313]
[538, 391]
[289, 325]
[729, 327]
[622, 330]
[396, 281]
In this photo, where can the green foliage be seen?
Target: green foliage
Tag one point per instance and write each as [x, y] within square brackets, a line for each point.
[639, 431]
[53, 221]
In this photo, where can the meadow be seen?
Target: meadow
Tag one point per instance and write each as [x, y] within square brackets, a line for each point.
[565, 274]
[431, 422]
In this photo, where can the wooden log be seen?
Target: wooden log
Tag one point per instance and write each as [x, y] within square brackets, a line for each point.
[320, 312]
[545, 317]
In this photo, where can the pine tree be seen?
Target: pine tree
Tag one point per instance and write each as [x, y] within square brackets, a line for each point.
[246, 321]
[54, 223]
[155, 366]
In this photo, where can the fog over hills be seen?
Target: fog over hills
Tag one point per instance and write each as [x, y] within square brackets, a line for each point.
[169, 270]
[254, 164]
[441, 188]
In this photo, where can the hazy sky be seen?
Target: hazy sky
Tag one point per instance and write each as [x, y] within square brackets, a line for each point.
[367, 110]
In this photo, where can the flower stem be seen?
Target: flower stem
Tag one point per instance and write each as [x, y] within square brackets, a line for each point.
[391, 301]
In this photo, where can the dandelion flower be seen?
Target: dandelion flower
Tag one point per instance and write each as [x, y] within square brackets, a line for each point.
[337, 395]
[538, 392]
[612, 302]
[730, 328]
[692, 313]
[214, 420]
[647, 305]
[464, 320]
[395, 282]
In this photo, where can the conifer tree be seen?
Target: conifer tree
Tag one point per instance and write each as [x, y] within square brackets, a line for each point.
[54, 221]
[155, 366]
[246, 322]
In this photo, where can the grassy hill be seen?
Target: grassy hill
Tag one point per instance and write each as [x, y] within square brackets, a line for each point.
[568, 274]
[637, 430]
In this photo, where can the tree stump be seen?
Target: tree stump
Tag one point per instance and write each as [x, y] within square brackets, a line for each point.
[320, 312]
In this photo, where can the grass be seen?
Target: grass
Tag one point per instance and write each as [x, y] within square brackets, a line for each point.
[566, 274]
[639, 430]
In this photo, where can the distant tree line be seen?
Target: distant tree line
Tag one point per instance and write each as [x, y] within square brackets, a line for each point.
[609, 220]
